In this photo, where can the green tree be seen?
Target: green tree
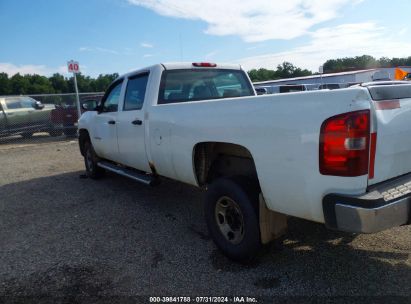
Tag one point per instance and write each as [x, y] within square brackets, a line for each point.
[84, 83]
[363, 62]
[39, 85]
[284, 70]
[59, 83]
[262, 74]
[5, 88]
[288, 70]
[385, 62]
[103, 81]
[19, 84]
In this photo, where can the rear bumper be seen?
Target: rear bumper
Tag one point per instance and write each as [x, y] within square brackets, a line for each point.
[374, 211]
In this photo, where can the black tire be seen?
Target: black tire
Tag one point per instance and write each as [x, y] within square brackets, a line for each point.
[27, 134]
[55, 132]
[243, 244]
[70, 132]
[90, 161]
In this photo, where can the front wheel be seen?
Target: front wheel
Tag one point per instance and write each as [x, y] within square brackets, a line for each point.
[231, 212]
[90, 161]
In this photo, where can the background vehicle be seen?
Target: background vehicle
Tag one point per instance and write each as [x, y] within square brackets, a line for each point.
[290, 88]
[332, 86]
[381, 76]
[25, 116]
[408, 77]
[287, 88]
[339, 157]
[66, 115]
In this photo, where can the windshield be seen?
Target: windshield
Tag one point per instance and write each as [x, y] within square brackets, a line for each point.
[202, 84]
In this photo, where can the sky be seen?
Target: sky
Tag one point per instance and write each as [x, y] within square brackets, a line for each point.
[108, 36]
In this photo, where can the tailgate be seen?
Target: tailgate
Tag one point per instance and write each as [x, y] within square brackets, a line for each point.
[64, 115]
[393, 125]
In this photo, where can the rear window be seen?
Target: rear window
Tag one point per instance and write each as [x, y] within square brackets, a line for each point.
[387, 92]
[202, 84]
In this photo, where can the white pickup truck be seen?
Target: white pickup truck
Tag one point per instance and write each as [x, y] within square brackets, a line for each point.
[340, 157]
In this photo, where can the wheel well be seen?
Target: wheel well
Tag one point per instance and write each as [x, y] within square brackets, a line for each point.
[215, 159]
[83, 138]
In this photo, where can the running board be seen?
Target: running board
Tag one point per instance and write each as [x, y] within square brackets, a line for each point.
[132, 174]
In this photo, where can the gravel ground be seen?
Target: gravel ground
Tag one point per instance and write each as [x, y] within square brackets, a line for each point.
[72, 238]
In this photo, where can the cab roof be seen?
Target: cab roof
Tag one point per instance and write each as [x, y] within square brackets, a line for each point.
[195, 65]
[182, 65]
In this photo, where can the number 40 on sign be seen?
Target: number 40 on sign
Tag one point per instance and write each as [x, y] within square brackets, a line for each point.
[73, 66]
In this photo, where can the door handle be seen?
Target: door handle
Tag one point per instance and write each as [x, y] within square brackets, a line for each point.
[111, 122]
[137, 122]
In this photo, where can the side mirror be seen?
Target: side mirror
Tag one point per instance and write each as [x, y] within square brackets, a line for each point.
[84, 106]
[38, 105]
[98, 108]
[261, 91]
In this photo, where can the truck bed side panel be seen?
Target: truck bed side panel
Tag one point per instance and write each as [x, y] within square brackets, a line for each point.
[393, 153]
[280, 131]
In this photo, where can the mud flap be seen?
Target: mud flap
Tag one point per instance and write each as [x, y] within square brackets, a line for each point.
[272, 224]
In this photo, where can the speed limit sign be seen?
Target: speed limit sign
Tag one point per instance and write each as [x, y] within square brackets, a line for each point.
[73, 66]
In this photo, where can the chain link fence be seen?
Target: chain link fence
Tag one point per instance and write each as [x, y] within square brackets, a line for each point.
[42, 118]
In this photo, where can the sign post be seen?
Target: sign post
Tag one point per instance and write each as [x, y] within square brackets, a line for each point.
[74, 67]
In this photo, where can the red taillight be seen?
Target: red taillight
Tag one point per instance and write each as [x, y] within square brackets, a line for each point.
[344, 144]
[204, 64]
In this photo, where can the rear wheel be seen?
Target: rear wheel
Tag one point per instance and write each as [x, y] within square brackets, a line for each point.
[70, 132]
[55, 132]
[90, 161]
[231, 211]
[27, 134]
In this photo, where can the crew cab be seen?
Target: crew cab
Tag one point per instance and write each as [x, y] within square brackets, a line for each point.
[23, 115]
[339, 157]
